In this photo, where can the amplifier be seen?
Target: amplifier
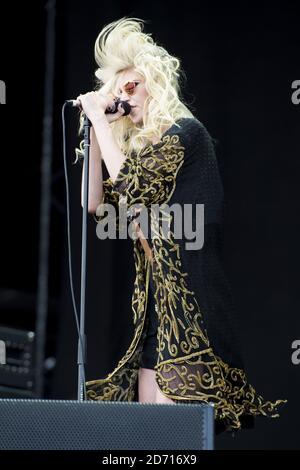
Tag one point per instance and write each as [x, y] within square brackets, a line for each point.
[17, 354]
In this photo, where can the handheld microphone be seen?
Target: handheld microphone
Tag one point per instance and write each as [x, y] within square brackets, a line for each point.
[110, 109]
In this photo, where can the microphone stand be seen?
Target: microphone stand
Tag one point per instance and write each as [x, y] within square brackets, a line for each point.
[81, 357]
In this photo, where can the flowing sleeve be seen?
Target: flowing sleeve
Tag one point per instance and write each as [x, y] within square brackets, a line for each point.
[109, 197]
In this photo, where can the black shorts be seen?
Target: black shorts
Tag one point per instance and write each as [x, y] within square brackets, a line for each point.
[149, 354]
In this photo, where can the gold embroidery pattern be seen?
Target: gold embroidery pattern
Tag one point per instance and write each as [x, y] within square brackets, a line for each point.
[150, 177]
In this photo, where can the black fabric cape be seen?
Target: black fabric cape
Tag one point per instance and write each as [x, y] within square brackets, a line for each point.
[198, 354]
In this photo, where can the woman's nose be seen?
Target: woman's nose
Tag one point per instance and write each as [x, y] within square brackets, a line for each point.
[124, 97]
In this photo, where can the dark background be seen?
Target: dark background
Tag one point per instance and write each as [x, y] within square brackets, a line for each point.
[240, 63]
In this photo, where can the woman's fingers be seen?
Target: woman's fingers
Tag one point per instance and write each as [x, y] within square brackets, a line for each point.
[94, 101]
[120, 108]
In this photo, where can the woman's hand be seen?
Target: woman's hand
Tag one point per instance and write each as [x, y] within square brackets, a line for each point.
[94, 105]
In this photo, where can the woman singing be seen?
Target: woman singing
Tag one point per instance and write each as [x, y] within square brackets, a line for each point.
[184, 348]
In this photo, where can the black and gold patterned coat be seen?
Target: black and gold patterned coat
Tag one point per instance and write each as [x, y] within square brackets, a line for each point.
[198, 356]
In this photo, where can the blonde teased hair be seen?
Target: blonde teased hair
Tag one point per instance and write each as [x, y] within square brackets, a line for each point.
[122, 45]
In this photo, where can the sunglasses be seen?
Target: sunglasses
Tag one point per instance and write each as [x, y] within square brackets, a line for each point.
[130, 87]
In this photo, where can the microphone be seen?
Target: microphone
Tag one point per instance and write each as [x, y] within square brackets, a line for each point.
[110, 109]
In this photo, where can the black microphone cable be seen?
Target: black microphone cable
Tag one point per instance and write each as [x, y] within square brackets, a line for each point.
[69, 241]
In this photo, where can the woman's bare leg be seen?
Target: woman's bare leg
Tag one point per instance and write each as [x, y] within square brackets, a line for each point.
[147, 385]
[161, 398]
[149, 391]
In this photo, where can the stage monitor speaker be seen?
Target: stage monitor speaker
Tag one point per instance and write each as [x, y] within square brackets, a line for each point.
[106, 425]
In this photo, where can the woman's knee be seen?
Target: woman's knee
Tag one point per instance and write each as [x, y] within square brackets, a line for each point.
[161, 398]
[149, 391]
[146, 385]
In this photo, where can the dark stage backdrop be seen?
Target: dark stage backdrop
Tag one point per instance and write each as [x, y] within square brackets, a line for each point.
[240, 64]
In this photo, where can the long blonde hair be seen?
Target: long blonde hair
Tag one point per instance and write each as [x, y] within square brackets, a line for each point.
[122, 45]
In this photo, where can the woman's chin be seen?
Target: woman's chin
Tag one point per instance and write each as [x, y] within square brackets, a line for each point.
[135, 118]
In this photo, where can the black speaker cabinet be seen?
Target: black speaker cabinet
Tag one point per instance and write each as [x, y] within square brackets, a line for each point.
[72, 425]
